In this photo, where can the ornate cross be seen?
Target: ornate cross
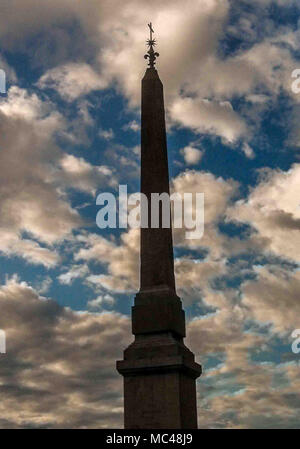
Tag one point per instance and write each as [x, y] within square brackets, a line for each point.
[151, 54]
[151, 30]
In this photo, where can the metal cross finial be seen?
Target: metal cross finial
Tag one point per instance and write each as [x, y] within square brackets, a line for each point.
[151, 54]
[151, 30]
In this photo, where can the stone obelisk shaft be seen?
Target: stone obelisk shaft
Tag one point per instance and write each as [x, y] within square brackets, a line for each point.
[157, 266]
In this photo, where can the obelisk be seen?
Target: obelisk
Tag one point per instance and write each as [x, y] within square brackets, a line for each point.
[159, 370]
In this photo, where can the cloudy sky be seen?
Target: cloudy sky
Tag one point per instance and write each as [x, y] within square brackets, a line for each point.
[69, 129]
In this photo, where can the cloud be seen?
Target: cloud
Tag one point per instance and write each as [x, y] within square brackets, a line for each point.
[81, 175]
[55, 353]
[126, 161]
[272, 209]
[217, 190]
[248, 151]
[43, 285]
[74, 272]
[120, 260]
[72, 80]
[204, 116]
[59, 369]
[239, 391]
[194, 276]
[32, 252]
[106, 134]
[116, 34]
[133, 126]
[191, 155]
[101, 302]
[35, 176]
[274, 298]
[218, 194]
[111, 38]
[30, 202]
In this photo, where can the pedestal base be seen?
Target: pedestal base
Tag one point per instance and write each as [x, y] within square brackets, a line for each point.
[159, 383]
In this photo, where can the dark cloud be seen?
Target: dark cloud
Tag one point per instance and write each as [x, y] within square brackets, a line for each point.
[59, 369]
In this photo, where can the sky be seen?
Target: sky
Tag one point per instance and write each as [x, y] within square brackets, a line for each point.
[70, 129]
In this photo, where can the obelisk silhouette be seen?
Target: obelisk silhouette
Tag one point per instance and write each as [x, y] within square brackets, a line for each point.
[159, 370]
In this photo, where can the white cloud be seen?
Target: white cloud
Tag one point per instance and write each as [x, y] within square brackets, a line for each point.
[274, 298]
[34, 178]
[257, 98]
[74, 272]
[133, 126]
[114, 35]
[204, 116]
[81, 175]
[218, 194]
[72, 80]
[248, 150]
[30, 201]
[106, 134]
[121, 260]
[101, 302]
[191, 155]
[272, 209]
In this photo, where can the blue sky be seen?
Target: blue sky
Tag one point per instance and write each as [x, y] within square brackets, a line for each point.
[70, 125]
